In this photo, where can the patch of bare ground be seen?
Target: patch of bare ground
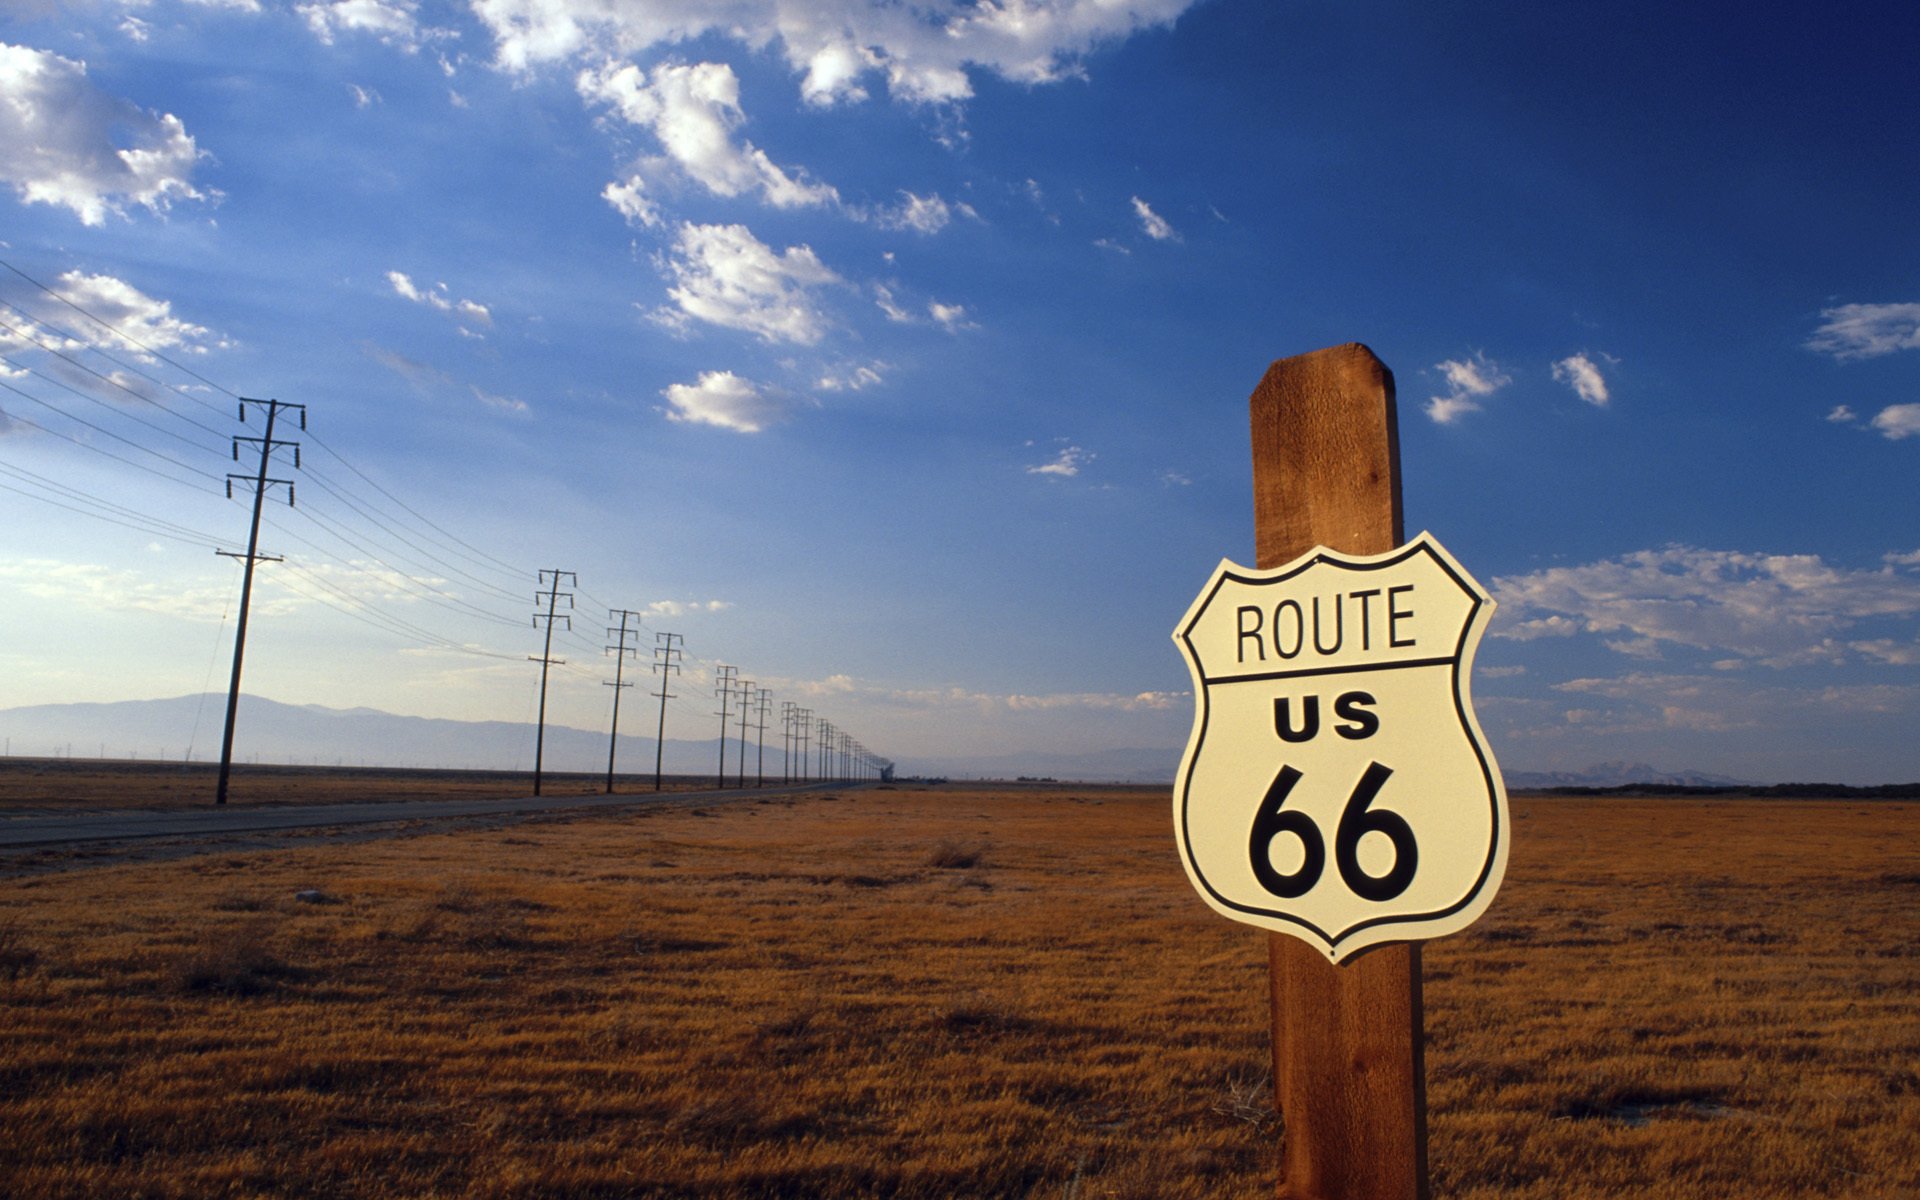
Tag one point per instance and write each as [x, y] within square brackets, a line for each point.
[941, 993]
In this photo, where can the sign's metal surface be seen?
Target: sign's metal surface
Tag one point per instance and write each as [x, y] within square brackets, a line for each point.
[1336, 786]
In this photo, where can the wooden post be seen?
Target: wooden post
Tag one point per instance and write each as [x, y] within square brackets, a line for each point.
[1349, 1068]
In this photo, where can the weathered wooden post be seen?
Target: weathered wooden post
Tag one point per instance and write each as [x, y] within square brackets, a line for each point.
[1349, 1070]
[1337, 790]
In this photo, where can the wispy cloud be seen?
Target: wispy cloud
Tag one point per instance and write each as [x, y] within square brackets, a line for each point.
[1776, 610]
[1854, 331]
[1469, 381]
[694, 112]
[392, 21]
[139, 322]
[470, 314]
[1064, 465]
[723, 275]
[1152, 223]
[1582, 374]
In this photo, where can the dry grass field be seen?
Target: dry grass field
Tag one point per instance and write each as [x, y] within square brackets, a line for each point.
[941, 993]
[70, 785]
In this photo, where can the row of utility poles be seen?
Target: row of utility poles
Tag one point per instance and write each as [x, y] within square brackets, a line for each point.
[811, 749]
[839, 757]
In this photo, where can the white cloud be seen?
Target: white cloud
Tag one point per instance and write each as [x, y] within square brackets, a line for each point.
[1065, 465]
[679, 608]
[949, 317]
[97, 588]
[469, 313]
[725, 276]
[506, 404]
[392, 21]
[1842, 415]
[921, 214]
[1152, 223]
[694, 112]
[1770, 609]
[1867, 330]
[1469, 380]
[923, 51]
[64, 142]
[850, 377]
[724, 399]
[883, 299]
[1898, 421]
[1582, 375]
[139, 319]
[1655, 702]
[630, 200]
[363, 97]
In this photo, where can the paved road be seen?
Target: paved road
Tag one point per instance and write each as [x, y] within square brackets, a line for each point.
[125, 825]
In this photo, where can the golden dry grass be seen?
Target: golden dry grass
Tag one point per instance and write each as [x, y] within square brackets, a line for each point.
[80, 784]
[941, 993]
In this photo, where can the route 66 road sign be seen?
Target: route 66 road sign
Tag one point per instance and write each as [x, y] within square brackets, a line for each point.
[1336, 786]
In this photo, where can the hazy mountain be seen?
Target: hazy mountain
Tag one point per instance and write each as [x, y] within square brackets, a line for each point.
[310, 733]
[1617, 774]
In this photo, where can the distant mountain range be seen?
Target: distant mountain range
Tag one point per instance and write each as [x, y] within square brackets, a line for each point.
[313, 734]
[1618, 774]
[272, 732]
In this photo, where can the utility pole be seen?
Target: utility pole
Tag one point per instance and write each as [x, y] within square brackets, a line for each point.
[802, 738]
[760, 736]
[786, 741]
[620, 653]
[723, 685]
[260, 484]
[825, 731]
[665, 654]
[546, 659]
[746, 702]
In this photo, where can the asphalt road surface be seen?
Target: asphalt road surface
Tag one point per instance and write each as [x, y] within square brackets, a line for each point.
[18, 833]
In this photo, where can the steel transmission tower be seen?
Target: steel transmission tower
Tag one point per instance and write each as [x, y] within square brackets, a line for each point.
[260, 484]
[723, 686]
[546, 660]
[665, 664]
[746, 702]
[763, 705]
[620, 652]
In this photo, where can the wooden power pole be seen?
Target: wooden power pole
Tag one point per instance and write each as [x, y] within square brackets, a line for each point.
[260, 483]
[1348, 1066]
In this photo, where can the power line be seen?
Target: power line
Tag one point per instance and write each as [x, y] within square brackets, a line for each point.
[123, 335]
[109, 380]
[92, 399]
[99, 429]
[505, 566]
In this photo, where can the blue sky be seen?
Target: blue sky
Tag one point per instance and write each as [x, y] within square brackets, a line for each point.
[899, 353]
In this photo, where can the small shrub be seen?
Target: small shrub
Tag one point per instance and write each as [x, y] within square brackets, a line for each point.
[17, 959]
[952, 855]
[1247, 1100]
[233, 960]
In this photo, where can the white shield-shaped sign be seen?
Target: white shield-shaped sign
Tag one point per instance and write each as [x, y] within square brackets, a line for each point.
[1337, 786]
